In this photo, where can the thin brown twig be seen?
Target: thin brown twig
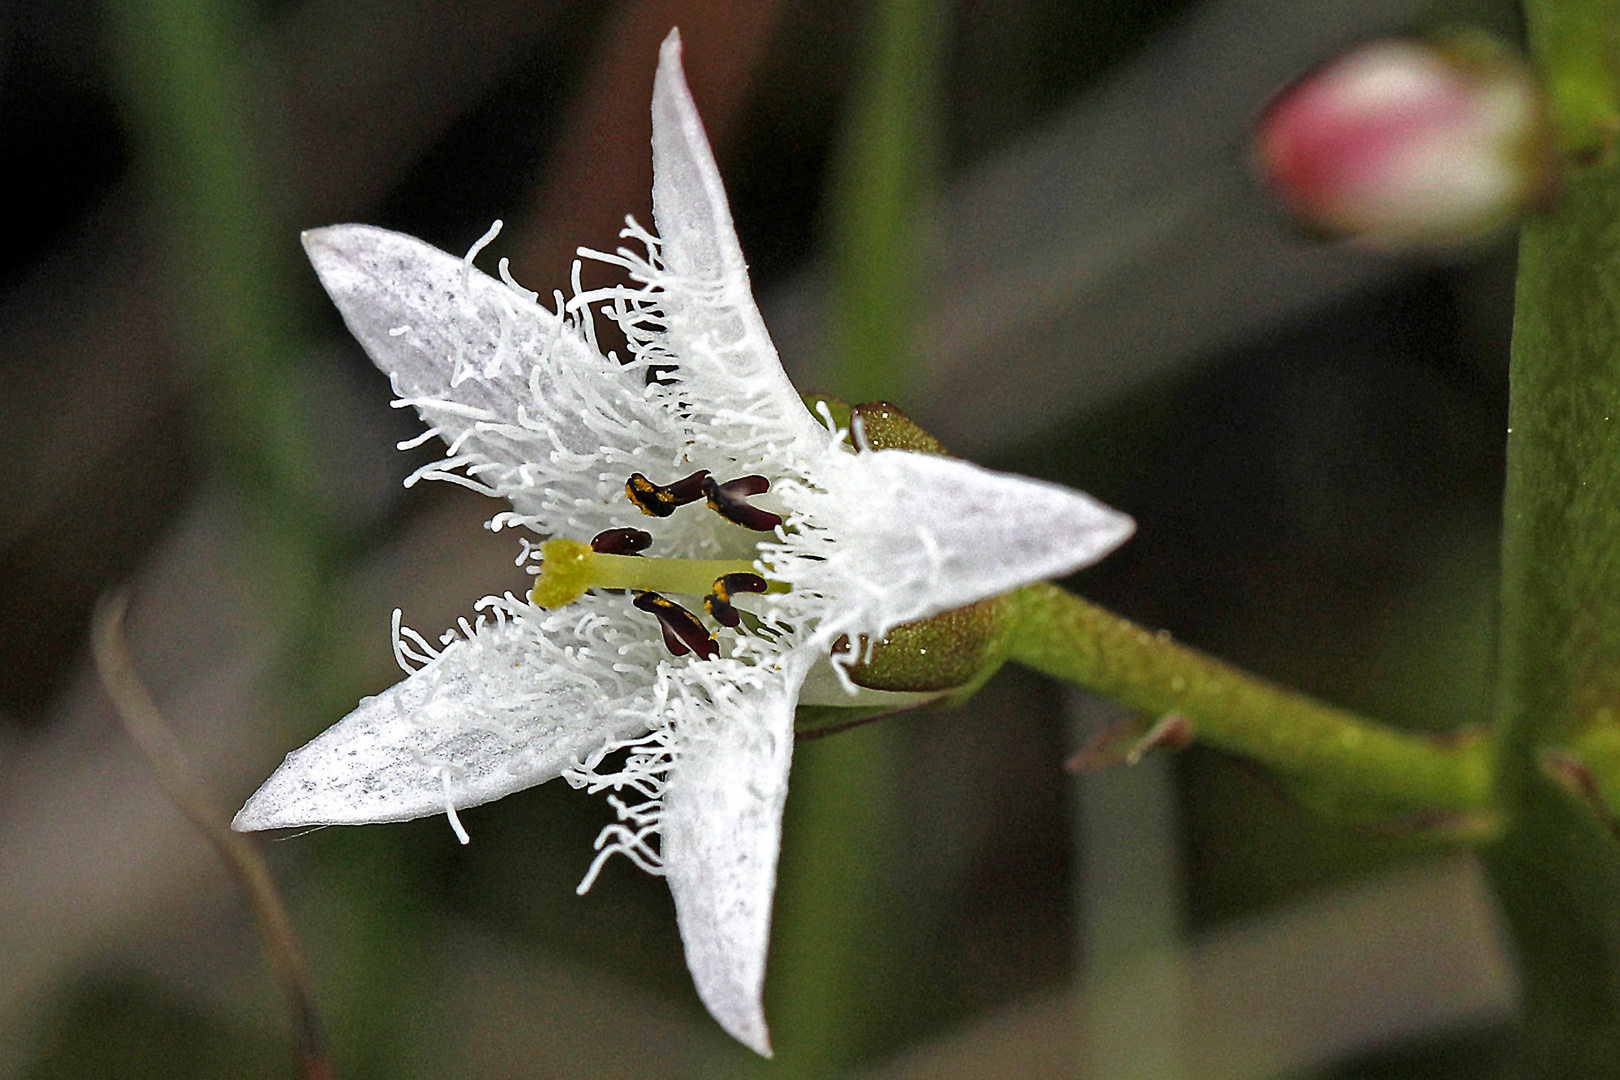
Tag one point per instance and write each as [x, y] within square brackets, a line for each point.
[808, 734]
[153, 737]
[867, 716]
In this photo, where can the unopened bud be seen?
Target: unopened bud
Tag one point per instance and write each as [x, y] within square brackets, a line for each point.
[1404, 144]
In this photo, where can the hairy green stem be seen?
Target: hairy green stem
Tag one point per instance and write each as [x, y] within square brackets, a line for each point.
[1335, 752]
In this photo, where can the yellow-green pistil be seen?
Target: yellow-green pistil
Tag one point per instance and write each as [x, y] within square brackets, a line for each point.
[569, 567]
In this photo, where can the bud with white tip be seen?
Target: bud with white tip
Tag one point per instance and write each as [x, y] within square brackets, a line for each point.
[1401, 144]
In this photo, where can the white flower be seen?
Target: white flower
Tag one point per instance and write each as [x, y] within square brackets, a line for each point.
[587, 688]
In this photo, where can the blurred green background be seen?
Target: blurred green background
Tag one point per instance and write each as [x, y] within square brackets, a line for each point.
[1058, 263]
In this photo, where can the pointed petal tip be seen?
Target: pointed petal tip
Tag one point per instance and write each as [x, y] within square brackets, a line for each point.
[326, 247]
[759, 1041]
[256, 817]
[333, 240]
[323, 235]
[744, 1022]
[669, 81]
[318, 241]
[936, 533]
[722, 821]
[1096, 530]
[1118, 528]
[264, 809]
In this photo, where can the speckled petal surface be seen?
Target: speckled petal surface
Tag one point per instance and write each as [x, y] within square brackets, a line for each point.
[722, 832]
[492, 714]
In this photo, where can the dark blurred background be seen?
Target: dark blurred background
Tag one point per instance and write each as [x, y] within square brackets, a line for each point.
[1309, 438]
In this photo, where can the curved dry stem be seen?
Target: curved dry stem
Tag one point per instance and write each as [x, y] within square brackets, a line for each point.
[156, 741]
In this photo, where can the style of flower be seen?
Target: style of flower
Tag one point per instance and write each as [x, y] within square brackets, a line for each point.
[804, 541]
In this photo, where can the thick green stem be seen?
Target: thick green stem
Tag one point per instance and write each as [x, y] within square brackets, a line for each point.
[1333, 751]
[1556, 869]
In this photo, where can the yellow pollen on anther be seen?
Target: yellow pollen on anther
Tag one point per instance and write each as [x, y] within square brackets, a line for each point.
[569, 567]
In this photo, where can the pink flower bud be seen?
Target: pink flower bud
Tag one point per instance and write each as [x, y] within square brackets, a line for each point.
[1401, 144]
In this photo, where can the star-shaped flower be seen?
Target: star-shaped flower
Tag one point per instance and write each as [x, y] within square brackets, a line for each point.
[804, 542]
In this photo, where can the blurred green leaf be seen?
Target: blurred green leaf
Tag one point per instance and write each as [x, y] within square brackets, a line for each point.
[886, 170]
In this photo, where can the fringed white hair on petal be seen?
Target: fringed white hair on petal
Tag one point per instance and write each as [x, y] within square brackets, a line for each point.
[712, 323]
[507, 704]
[530, 411]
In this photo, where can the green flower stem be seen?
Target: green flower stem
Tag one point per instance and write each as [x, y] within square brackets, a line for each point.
[1334, 752]
[1560, 643]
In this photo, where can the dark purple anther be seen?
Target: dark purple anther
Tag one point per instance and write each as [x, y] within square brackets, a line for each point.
[682, 631]
[621, 542]
[662, 500]
[729, 500]
[718, 603]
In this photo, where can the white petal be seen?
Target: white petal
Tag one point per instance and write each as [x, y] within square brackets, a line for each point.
[529, 408]
[722, 829]
[492, 714]
[716, 334]
[689, 201]
[908, 535]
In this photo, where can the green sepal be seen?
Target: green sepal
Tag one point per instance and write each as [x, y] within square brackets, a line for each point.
[883, 426]
[951, 650]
